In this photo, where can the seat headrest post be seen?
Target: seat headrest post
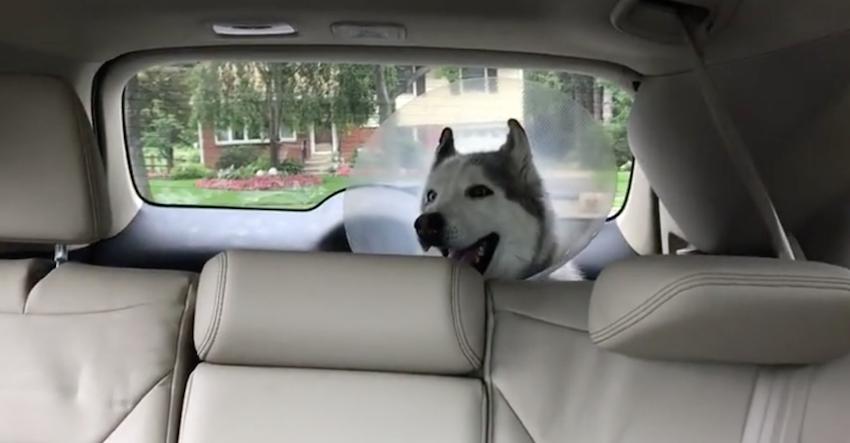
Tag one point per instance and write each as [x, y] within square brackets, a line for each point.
[60, 254]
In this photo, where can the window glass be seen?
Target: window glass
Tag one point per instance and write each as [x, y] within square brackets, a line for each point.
[198, 133]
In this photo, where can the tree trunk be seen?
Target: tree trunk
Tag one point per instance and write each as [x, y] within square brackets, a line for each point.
[134, 141]
[273, 105]
[598, 102]
[169, 159]
[385, 107]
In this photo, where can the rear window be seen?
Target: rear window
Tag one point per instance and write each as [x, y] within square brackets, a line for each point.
[286, 135]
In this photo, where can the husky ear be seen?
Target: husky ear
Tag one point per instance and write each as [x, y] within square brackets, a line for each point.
[446, 148]
[517, 146]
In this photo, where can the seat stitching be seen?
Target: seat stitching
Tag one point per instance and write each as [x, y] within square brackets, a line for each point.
[513, 411]
[186, 402]
[789, 280]
[774, 280]
[457, 321]
[181, 337]
[203, 345]
[220, 308]
[545, 322]
[71, 314]
[658, 300]
[141, 399]
[206, 344]
[645, 309]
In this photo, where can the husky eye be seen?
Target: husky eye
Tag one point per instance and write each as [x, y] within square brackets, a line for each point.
[478, 191]
[430, 196]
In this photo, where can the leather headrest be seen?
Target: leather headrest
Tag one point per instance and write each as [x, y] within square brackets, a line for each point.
[51, 173]
[723, 309]
[341, 311]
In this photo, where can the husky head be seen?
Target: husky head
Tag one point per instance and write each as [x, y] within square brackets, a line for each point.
[488, 209]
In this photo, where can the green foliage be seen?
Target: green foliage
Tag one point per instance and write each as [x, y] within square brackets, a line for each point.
[237, 157]
[159, 110]
[290, 167]
[581, 89]
[189, 171]
[233, 173]
[450, 73]
[268, 95]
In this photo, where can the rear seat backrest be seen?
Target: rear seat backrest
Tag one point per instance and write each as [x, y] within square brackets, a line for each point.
[692, 349]
[88, 353]
[336, 348]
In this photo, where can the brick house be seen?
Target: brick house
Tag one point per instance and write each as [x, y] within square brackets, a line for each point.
[478, 118]
[314, 148]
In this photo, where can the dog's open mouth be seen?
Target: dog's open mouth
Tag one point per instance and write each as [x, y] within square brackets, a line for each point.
[478, 255]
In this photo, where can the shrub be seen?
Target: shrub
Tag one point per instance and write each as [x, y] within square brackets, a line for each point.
[188, 171]
[237, 157]
[231, 173]
[290, 167]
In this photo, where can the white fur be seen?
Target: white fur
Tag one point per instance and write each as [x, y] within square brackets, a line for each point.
[468, 220]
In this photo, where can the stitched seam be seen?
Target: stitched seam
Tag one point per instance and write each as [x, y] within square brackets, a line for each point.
[477, 358]
[542, 321]
[71, 314]
[646, 309]
[141, 399]
[458, 322]
[774, 280]
[220, 288]
[513, 411]
[681, 286]
[183, 332]
[186, 401]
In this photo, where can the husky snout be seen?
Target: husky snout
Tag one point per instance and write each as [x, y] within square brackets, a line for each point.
[430, 228]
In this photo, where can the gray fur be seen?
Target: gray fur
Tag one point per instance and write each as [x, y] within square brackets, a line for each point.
[512, 170]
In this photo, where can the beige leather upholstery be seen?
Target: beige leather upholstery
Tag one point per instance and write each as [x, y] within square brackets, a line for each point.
[89, 354]
[337, 348]
[18, 277]
[724, 309]
[549, 382]
[338, 311]
[50, 168]
[93, 354]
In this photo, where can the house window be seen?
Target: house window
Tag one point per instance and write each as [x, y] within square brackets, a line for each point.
[250, 134]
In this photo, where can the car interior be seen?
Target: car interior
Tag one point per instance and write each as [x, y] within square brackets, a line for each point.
[176, 262]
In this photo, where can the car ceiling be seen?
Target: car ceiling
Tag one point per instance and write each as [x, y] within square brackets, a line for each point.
[98, 30]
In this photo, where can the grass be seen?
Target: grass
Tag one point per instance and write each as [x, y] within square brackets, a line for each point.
[623, 179]
[184, 192]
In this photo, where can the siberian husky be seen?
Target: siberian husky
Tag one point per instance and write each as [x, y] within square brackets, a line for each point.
[490, 210]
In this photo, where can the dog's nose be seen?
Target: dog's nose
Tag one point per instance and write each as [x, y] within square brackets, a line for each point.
[429, 227]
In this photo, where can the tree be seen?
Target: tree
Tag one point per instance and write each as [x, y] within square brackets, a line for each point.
[268, 96]
[589, 93]
[157, 115]
[392, 81]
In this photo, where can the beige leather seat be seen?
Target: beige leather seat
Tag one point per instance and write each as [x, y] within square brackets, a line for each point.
[336, 348]
[675, 349]
[89, 354]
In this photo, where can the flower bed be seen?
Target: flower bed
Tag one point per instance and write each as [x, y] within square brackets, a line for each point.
[264, 183]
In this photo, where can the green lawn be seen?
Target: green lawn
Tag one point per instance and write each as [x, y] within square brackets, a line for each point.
[184, 192]
[622, 190]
